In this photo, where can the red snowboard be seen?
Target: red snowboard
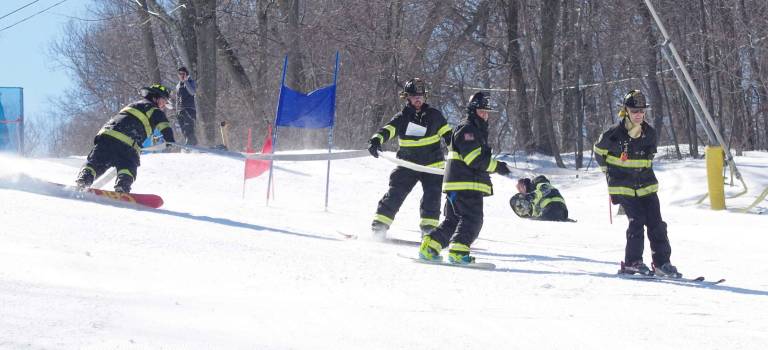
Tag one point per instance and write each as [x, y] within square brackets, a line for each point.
[147, 200]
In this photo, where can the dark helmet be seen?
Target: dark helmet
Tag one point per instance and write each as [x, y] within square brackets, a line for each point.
[183, 69]
[414, 87]
[635, 99]
[155, 91]
[540, 180]
[479, 101]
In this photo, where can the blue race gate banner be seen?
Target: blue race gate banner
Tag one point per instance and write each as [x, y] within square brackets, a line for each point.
[11, 119]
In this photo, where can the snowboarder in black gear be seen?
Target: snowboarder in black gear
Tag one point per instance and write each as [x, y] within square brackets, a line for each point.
[467, 180]
[625, 153]
[185, 105]
[118, 143]
[419, 128]
[537, 199]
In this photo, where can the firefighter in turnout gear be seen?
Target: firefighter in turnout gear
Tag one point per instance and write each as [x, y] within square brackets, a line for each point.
[419, 128]
[538, 200]
[467, 180]
[118, 143]
[625, 153]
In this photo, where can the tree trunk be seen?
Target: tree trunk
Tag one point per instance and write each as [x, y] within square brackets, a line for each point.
[514, 58]
[296, 76]
[549, 11]
[205, 26]
[385, 80]
[188, 16]
[651, 66]
[149, 42]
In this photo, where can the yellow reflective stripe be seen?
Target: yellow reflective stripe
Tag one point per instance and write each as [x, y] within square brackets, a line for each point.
[392, 131]
[127, 172]
[472, 155]
[122, 137]
[600, 151]
[629, 163]
[143, 118]
[647, 190]
[445, 129]
[466, 186]
[492, 166]
[429, 222]
[547, 201]
[440, 164]
[383, 219]
[455, 156]
[420, 142]
[162, 126]
[90, 170]
[640, 192]
[458, 247]
[378, 136]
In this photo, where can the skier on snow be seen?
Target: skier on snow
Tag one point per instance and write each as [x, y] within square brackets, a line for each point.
[625, 153]
[538, 200]
[419, 128]
[118, 143]
[467, 180]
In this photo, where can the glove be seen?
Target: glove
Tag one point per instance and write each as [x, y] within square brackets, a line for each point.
[502, 168]
[374, 147]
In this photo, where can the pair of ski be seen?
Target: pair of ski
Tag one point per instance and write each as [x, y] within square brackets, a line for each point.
[698, 280]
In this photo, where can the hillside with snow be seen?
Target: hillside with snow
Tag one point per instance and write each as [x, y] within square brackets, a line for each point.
[212, 269]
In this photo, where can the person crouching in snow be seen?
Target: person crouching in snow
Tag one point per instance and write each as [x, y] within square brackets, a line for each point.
[625, 154]
[466, 181]
[118, 143]
[538, 200]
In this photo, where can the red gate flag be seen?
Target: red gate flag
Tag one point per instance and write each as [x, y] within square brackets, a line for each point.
[255, 167]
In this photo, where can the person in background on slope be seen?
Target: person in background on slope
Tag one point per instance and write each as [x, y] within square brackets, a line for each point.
[118, 143]
[419, 128]
[538, 200]
[185, 105]
[5, 138]
[625, 153]
[467, 180]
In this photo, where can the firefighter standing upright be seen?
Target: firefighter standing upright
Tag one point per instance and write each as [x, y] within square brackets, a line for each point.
[467, 180]
[625, 153]
[419, 128]
[118, 143]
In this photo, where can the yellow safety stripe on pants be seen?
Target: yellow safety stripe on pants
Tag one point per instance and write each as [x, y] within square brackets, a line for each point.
[466, 186]
[626, 191]
[600, 151]
[492, 166]
[472, 155]
[392, 131]
[426, 141]
[122, 137]
[383, 219]
[125, 171]
[143, 118]
[90, 170]
[378, 136]
[429, 222]
[440, 164]
[445, 129]
[458, 247]
[162, 126]
[545, 202]
[629, 163]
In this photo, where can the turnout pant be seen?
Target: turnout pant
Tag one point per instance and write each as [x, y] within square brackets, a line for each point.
[401, 182]
[463, 218]
[645, 212]
[109, 152]
[187, 118]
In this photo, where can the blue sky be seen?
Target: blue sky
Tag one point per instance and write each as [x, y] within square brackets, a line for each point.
[24, 61]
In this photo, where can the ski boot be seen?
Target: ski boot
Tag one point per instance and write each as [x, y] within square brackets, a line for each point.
[430, 249]
[666, 270]
[636, 267]
[459, 254]
[379, 230]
